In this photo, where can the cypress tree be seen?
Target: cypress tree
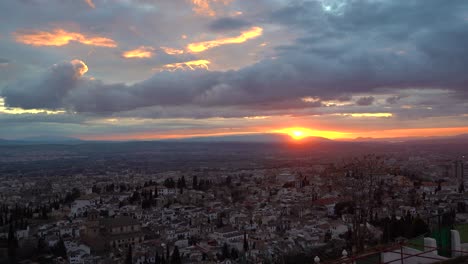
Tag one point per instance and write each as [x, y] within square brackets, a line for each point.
[175, 259]
[225, 252]
[12, 244]
[129, 259]
[246, 244]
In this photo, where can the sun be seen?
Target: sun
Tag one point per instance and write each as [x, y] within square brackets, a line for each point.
[298, 134]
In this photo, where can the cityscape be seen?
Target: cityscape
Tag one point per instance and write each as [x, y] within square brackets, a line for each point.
[226, 202]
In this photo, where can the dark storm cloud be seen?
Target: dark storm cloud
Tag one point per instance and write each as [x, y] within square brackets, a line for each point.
[228, 23]
[46, 91]
[365, 101]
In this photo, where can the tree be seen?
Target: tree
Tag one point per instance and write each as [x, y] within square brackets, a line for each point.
[157, 258]
[60, 250]
[129, 258]
[169, 183]
[344, 208]
[41, 245]
[362, 184]
[228, 181]
[184, 184]
[246, 244]
[175, 259]
[234, 254]
[419, 227]
[225, 251]
[195, 182]
[12, 244]
[179, 183]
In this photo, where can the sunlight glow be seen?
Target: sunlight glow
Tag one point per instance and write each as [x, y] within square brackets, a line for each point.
[141, 52]
[18, 111]
[366, 114]
[172, 51]
[299, 133]
[188, 65]
[80, 68]
[254, 32]
[310, 99]
[60, 37]
[204, 7]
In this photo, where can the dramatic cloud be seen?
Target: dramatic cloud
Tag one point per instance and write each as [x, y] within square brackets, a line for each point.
[48, 90]
[60, 37]
[254, 32]
[140, 53]
[172, 51]
[323, 63]
[188, 65]
[228, 23]
[204, 7]
[365, 101]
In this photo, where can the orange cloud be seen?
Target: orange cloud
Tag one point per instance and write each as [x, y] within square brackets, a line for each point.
[90, 3]
[80, 67]
[60, 37]
[204, 7]
[254, 32]
[140, 53]
[188, 65]
[172, 51]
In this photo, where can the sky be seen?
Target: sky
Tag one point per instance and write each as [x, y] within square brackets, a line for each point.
[156, 69]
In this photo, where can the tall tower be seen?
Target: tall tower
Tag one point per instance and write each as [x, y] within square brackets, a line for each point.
[92, 225]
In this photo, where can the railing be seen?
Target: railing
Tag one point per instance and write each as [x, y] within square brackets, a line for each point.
[375, 255]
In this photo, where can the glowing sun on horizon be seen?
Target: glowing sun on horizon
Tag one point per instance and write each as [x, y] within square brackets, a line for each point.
[300, 133]
[297, 134]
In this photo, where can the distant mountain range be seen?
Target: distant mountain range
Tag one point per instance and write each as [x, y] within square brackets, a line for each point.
[263, 137]
[248, 138]
[458, 138]
[41, 140]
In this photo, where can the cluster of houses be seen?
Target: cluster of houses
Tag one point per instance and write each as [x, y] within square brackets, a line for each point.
[259, 215]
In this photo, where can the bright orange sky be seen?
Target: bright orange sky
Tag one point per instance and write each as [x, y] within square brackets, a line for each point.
[296, 133]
